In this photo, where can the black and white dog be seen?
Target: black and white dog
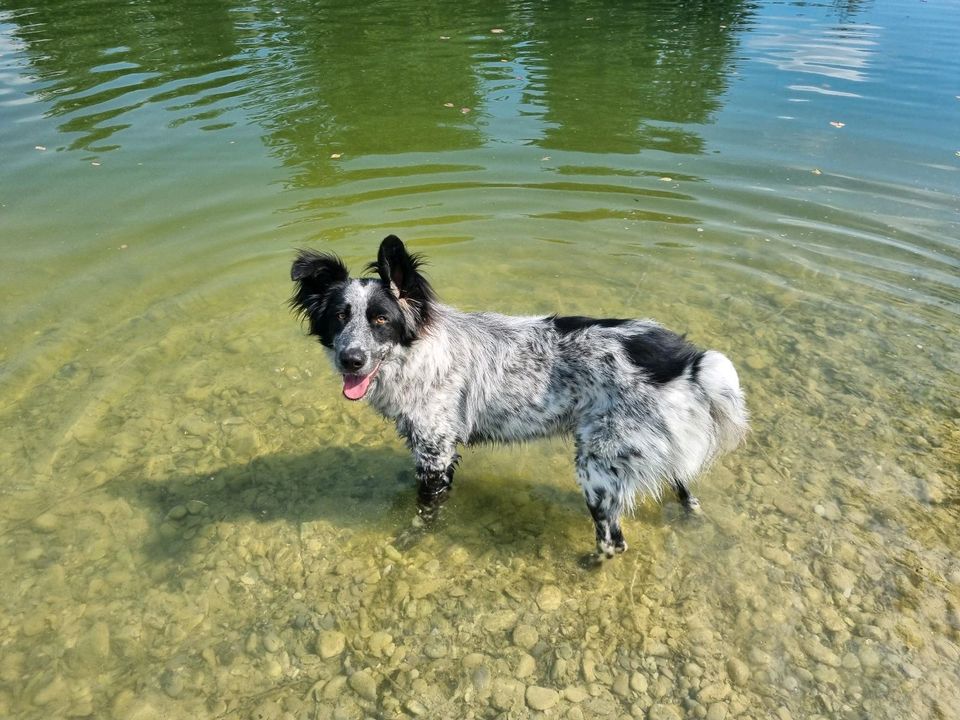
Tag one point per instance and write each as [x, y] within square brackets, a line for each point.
[645, 407]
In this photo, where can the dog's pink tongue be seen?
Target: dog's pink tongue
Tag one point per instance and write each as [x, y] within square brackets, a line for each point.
[355, 386]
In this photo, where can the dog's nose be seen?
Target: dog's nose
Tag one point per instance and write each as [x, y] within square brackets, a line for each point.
[352, 359]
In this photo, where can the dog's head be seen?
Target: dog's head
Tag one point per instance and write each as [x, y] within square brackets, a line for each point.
[362, 320]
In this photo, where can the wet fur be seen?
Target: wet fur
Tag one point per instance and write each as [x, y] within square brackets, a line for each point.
[647, 409]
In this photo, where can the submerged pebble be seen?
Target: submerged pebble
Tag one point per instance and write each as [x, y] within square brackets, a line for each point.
[541, 698]
[330, 643]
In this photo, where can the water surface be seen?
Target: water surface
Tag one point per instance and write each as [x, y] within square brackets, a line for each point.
[195, 524]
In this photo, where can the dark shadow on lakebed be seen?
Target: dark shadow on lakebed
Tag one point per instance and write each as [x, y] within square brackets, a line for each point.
[361, 490]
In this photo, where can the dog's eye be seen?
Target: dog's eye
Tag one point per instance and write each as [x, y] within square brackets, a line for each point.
[341, 316]
[380, 320]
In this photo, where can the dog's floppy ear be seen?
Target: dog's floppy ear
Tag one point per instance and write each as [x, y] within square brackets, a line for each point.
[399, 270]
[315, 273]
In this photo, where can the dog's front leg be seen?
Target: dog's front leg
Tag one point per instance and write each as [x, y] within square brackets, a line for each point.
[436, 459]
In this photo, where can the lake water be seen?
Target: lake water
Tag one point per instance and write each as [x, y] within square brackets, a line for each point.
[195, 524]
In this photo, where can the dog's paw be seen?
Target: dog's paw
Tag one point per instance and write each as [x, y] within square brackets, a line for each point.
[692, 506]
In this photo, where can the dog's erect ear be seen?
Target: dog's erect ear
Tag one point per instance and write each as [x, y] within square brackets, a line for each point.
[315, 273]
[399, 270]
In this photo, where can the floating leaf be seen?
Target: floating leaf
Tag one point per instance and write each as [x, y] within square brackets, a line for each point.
[837, 124]
[497, 31]
[336, 156]
[448, 104]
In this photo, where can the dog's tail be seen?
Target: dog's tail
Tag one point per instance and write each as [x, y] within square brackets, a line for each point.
[717, 376]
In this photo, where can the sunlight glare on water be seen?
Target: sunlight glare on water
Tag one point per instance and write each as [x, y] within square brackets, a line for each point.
[195, 524]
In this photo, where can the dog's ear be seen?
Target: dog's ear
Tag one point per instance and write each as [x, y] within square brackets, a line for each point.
[315, 273]
[399, 271]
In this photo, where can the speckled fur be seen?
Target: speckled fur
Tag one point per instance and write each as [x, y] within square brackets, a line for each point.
[646, 409]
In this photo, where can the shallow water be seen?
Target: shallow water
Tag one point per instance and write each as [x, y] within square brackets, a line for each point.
[195, 524]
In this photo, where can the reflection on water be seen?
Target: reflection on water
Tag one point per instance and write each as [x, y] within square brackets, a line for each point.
[194, 524]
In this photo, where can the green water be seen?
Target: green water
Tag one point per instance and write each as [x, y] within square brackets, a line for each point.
[195, 524]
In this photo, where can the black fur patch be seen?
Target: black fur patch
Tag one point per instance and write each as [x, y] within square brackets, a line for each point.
[317, 275]
[397, 267]
[662, 354]
[572, 323]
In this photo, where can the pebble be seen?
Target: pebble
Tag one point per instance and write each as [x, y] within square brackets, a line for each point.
[549, 598]
[738, 671]
[821, 654]
[177, 512]
[435, 650]
[473, 660]
[56, 689]
[778, 556]
[756, 362]
[717, 711]
[525, 636]
[575, 694]
[712, 693]
[841, 579]
[271, 643]
[638, 682]
[525, 666]
[621, 685]
[364, 685]
[330, 643]
[869, 658]
[660, 711]
[415, 707]
[46, 522]
[541, 698]
[195, 507]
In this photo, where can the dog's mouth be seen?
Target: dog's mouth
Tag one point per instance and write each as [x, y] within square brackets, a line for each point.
[356, 386]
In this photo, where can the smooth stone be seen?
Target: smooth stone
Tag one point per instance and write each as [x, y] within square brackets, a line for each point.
[821, 654]
[46, 522]
[664, 712]
[481, 678]
[95, 643]
[738, 671]
[717, 711]
[541, 698]
[525, 636]
[575, 694]
[841, 579]
[621, 685]
[638, 682]
[549, 598]
[195, 507]
[435, 650]
[56, 690]
[712, 693]
[330, 643]
[177, 512]
[333, 689]
[271, 643]
[415, 707]
[869, 658]
[473, 660]
[525, 666]
[363, 684]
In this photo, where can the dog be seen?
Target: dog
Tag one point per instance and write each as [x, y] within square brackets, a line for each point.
[646, 408]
